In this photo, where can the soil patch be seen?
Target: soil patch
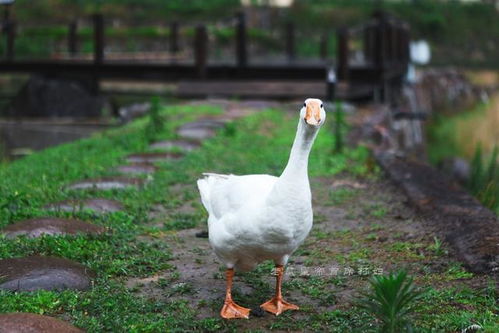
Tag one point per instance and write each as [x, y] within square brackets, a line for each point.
[34, 323]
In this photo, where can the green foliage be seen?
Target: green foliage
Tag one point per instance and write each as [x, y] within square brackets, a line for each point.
[444, 143]
[437, 312]
[338, 127]
[391, 300]
[448, 25]
[484, 179]
[156, 122]
[437, 247]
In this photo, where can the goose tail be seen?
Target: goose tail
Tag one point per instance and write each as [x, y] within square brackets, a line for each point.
[205, 185]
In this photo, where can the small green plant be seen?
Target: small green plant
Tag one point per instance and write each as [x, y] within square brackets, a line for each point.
[156, 122]
[338, 127]
[391, 300]
[437, 247]
[484, 179]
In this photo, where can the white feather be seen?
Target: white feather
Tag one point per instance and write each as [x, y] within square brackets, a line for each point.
[253, 218]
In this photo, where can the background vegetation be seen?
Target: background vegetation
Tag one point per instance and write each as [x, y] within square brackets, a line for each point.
[460, 33]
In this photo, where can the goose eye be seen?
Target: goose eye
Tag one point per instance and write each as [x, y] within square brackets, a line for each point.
[322, 106]
[304, 105]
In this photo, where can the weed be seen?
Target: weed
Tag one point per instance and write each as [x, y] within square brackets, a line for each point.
[437, 247]
[391, 300]
[156, 122]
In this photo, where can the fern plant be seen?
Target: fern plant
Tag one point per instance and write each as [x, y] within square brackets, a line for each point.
[391, 300]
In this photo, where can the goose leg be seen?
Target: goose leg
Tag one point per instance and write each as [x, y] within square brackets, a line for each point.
[230, 309]
[277, 304]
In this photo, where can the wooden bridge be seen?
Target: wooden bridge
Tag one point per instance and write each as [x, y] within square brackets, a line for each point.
[374, 72]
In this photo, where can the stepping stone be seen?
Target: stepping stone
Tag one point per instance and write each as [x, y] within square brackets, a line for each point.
[108, 183]
[137, 168]
[51, 226]
[201, 129]
[153, 157]
[185, 145]
[34, 323]
[43, 273]
[98, 205]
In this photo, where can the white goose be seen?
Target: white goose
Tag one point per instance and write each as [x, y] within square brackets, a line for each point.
[254, 218]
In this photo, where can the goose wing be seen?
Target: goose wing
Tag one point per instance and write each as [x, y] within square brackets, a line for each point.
[224, 194]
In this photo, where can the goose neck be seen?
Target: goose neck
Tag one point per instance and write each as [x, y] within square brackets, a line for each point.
[297, 167]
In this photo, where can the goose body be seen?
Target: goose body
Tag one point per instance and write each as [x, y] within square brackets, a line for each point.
[253, 218]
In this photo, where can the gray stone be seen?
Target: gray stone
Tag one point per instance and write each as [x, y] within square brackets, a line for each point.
[43, 273]
[46, 96]
[185, 145]
[196, 133]
[137, 168]
[133, 111]
[34, 323]
[153, 157]
[99, 205]
[200, 129]
[52, 226]
[109, 183]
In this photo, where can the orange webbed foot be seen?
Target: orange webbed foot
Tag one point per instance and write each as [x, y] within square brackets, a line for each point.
[278, 306]
[231, 310]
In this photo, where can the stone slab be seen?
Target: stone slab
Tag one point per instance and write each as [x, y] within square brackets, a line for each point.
[99, 205]
[108, 183]
[184, 145]
[153, 157]
[43, 273]
[18, 322]
[51, 226]
[200, 129]
[137, 169]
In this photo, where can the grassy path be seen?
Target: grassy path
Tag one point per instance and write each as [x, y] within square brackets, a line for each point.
[155, 275]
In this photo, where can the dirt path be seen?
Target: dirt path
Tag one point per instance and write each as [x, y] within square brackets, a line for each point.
[360, 229]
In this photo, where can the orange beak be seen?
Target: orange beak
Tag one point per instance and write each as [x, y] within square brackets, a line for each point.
[313, 113]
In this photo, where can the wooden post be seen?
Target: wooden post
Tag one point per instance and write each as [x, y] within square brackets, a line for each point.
[379, 42]
[10, 27]
[405, 44]
[201, 50]
[290, 41]
[368, 43]
[98, 38]
[342, 66]
[241, 50]
[323, 46]
[394, 43]
[174, 37]
[72, 38]
[330, 84]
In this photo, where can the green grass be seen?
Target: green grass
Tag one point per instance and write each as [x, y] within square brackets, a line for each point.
[449, 137]
[28, 184]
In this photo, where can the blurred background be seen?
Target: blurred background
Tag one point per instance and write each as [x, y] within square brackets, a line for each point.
[436, 60]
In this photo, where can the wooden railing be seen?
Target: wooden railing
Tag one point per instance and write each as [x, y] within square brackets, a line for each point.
[385, 49]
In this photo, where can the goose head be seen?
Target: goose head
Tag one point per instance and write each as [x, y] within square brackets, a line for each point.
[312, 113]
